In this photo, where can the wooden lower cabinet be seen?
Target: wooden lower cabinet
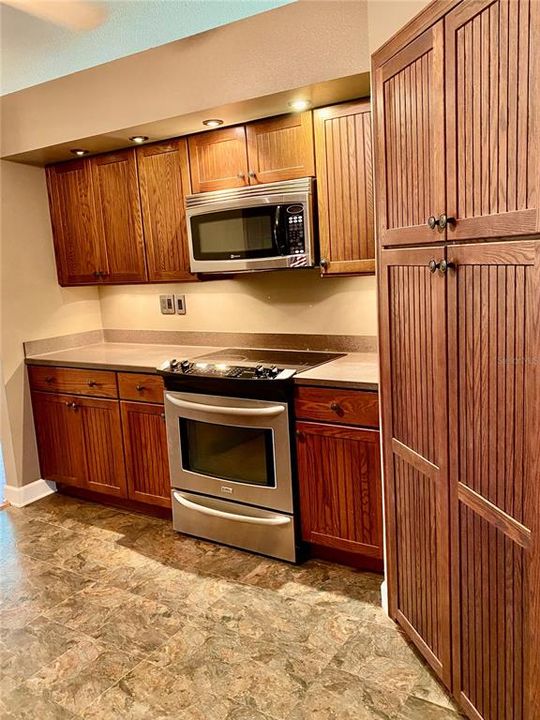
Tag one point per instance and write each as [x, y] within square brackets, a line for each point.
[340, 487]
[145, 443]
[80, 442]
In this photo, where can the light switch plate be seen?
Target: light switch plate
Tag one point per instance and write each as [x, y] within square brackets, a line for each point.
[180, 304]
[166, 304]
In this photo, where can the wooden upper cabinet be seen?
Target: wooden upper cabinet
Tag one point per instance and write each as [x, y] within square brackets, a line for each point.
[80, 251]
[164, 182]
[410, 148]
[118, 213]
[345, 188]
[492, 118]
[280, 148]
[415, 421]
[218, 159]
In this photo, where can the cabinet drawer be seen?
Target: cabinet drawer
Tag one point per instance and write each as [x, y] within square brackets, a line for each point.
[96, 383]
[141, 387]
[353, 407]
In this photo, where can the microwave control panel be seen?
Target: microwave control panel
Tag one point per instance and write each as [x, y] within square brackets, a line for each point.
[295, 229]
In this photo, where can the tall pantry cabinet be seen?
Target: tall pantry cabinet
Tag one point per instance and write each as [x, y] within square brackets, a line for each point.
[457, 142]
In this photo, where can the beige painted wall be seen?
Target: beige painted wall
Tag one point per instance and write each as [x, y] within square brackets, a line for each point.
[32, 305]
[386, 17]
[281, 302]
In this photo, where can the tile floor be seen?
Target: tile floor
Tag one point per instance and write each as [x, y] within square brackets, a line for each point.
[110, 615]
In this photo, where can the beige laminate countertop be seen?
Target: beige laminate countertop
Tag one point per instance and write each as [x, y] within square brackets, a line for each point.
[354, 370]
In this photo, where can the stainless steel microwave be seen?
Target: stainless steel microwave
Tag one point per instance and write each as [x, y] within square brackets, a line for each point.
[262, 227]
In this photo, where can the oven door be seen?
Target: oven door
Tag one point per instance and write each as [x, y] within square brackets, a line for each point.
[230, 448]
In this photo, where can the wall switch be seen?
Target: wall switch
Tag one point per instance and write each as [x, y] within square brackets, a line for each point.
[166, 304]
[180, 304]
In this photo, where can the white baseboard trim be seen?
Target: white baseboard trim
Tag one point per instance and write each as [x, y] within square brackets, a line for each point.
[384, 596]
[21, 496]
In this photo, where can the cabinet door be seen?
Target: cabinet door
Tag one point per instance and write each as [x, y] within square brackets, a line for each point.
[340, 487]
[102, 442]
[164, 183]
[80, 252]
[415, 440]
[493, 118]
[280, 148]
[345, 188]
[59, 436]
[218, 159]
[494, 344]
[145, 443]
[410, 152]
[118, 211]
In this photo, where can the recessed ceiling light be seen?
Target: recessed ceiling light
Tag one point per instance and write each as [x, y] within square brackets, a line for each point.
[299, 105]
[139, 139]
[79, 151]
[213, 122]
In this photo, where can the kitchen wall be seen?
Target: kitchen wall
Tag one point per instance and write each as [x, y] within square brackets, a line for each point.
[32, 305]
[276, 302]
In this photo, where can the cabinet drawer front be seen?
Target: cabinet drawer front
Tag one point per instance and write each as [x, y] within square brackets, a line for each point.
[141, 386]
[96, 383]
[353, 407]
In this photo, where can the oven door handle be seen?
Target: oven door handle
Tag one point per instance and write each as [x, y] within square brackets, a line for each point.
[276, 520]
[272, 411]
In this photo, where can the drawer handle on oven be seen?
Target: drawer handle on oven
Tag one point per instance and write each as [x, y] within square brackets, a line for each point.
[220, 410]
[276, 520]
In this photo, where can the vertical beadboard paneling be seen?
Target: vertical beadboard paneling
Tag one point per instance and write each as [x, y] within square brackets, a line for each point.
[103, 445]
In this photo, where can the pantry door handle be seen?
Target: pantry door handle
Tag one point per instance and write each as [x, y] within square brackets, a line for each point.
[275, 520]
[220, 410]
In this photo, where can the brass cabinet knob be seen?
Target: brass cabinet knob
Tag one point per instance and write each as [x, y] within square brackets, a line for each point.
[444, 221]
[252, 174]
[92, 383]
[433, 266]
[49, 379]
[241, 176]
[336, 407]
[140, 388]
[324, 263]
[432, 222]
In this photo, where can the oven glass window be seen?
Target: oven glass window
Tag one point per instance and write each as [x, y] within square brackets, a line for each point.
[239, 454]
[234, 234]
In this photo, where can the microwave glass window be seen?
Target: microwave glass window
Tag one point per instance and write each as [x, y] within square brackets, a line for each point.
[238, 454]
[244, 233]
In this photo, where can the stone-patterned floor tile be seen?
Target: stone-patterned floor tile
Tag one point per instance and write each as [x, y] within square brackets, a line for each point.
[227, 562]
[30, 648]
[146, 692]
[47, 542]
[139, 627]
[79, 676]
[417, 709]
[428, 688]
[90, 608]
[27, 705]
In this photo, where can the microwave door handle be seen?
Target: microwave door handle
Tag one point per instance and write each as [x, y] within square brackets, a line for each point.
[276, 520]
[277, 230]
[220, 410]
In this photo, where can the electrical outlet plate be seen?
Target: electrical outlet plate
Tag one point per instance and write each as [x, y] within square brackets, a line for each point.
[166, 304]
[180, 304]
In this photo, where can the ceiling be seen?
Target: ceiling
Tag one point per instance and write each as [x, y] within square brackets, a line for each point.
[34, 51]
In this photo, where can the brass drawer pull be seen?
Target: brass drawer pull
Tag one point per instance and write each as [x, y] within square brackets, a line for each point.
[140, 388]
[49, 379]
[92, 383]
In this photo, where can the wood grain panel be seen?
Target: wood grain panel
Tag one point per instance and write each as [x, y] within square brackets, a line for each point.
[280, 148]
[218, 159]
[118, 215]
[79, 381]
[164, 183]
[340, 487]
[79, 250]
[494, 341]
[147, 464]
[60, 440]
[343, 145]
[414, 415]
[353, 407]
[492, 118]
[141, 387]
[410, 160]
[102, 434]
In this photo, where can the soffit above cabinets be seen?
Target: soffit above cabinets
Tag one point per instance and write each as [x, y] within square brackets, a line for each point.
[319, 95]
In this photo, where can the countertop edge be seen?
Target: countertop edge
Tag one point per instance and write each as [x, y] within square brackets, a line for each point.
[333, 383]
[114, 367]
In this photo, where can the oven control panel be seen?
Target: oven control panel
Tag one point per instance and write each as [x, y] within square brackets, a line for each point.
[240, 372]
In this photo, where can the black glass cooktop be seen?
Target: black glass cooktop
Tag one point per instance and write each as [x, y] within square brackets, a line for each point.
[293, 359]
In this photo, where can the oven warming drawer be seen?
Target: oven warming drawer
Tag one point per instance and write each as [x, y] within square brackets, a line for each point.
[261, 531]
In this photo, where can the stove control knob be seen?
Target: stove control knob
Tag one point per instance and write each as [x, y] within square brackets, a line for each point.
[185, 365]
[259, 371]
[173, 364]
[274, 371]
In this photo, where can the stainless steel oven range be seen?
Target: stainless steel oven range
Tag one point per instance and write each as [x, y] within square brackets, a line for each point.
[229, 429]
